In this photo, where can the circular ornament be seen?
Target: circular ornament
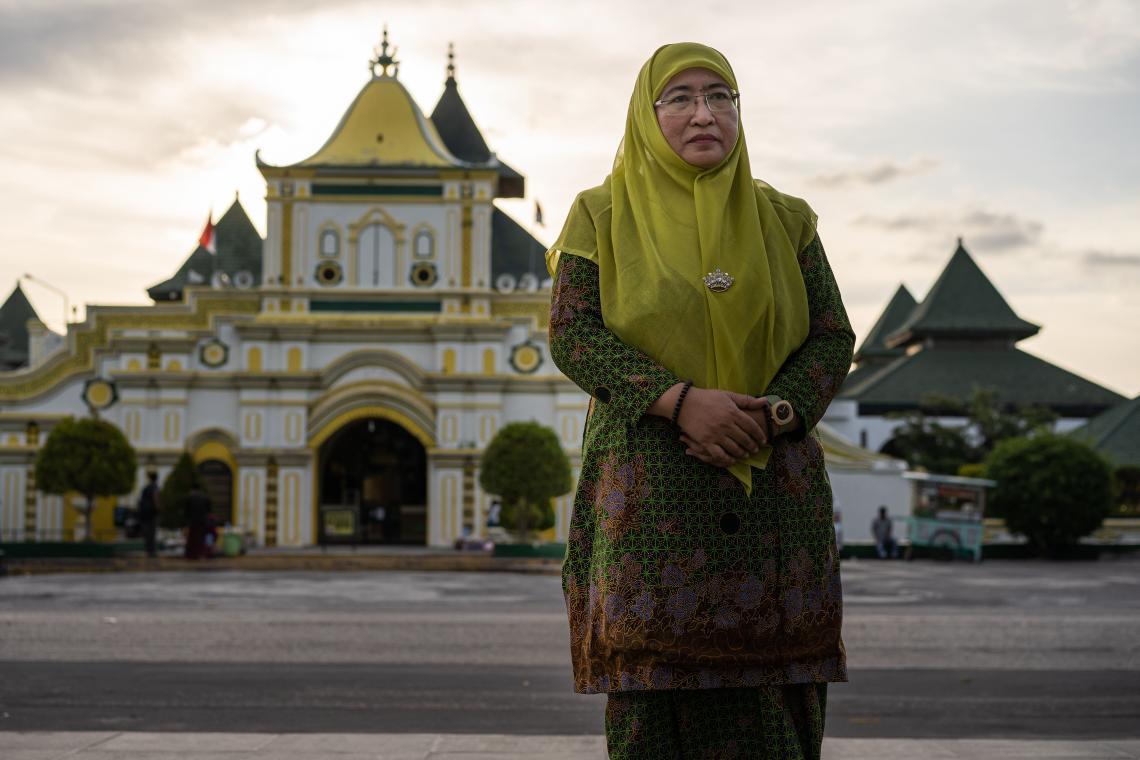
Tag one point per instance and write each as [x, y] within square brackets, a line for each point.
[528, 282]
[99, 393]
[506, 283]
[243, 279]
[423, 274]
[213, 353]
[526, 358]
[329, 273]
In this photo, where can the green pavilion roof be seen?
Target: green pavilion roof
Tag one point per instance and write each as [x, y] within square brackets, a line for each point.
[962, 305]
[1019, 378]
[1115, 433]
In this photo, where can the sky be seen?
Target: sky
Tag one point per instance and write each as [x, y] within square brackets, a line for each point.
[905, 124]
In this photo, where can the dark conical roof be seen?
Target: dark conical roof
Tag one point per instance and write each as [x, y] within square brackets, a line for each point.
[456, 127]
[1115, 433]
[962, 304]
[14, 317]
[238, 256]
[899, 309]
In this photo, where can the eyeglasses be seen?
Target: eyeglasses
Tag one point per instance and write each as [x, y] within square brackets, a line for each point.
[717, 101]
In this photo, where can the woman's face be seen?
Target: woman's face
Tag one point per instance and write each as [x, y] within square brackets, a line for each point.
[701, 137]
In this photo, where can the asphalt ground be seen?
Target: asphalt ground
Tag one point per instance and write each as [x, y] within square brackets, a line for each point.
[1009, 650]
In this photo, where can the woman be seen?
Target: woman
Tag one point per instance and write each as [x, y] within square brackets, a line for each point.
[690, 301]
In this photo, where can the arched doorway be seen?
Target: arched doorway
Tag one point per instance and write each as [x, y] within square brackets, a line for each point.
[373, 485]
[218, 482]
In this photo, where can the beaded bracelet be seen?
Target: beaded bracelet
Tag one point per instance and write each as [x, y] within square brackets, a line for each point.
[680, 400]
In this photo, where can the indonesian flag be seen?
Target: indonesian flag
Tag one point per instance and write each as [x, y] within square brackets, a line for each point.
[207, 238]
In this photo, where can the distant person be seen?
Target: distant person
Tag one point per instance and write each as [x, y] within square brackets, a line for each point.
[198, 520]
[883, 530]
[838, 520]
[148, 513]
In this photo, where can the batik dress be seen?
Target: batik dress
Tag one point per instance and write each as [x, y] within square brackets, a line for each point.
[675, 577]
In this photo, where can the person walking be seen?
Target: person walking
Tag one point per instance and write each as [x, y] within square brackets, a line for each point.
[696, 306]
[882, 528]
[148, 507]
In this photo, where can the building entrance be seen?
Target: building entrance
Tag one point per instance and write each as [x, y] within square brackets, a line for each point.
[218, 481]
[373, 487]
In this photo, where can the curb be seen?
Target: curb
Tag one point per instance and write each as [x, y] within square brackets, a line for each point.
[275, 563]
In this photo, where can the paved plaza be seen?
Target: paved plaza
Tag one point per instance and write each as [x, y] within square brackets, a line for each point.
[948, 660]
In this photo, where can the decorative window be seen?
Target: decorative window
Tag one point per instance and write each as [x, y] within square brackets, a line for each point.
[424, 245]
[330, 243]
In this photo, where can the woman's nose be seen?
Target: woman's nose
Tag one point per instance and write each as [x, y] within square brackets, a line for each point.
[702, 115]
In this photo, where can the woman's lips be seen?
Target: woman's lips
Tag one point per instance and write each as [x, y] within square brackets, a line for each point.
[703, 139]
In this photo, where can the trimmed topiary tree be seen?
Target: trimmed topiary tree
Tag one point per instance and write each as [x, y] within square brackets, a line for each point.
[88, 456]
[1051, 489]
[172, 496]
[526, 467]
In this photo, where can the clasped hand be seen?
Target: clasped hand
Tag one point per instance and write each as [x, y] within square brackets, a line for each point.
[722, 428]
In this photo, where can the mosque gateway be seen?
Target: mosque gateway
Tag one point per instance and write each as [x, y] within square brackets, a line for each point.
[337, 380]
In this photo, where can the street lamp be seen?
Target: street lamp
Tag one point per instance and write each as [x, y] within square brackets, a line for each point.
[57, 291]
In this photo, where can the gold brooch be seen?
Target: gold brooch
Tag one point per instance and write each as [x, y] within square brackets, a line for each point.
[718, 281]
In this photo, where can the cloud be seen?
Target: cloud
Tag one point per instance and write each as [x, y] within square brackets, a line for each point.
[878, 174]
[1106, 259]
[1001, 231]
[995, 232]
[82, 42]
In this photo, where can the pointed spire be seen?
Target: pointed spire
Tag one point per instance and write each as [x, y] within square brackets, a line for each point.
[962, 305]
[383, 59]
[898, 311]
[450, 63]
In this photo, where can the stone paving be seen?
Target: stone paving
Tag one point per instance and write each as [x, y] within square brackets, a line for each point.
[234, 746]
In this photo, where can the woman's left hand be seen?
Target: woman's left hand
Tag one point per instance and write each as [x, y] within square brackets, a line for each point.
[754, 407]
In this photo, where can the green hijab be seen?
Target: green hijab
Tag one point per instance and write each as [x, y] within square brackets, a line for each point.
[658, 225]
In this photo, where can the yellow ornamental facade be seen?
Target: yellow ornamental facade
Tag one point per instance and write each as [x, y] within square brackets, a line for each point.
[338, 380]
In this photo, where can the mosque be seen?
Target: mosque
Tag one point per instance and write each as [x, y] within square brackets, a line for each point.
[337, 380]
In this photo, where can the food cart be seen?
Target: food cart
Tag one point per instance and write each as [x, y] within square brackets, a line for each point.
[946, 514]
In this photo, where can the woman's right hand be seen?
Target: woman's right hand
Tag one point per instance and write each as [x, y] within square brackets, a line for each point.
[717, 427]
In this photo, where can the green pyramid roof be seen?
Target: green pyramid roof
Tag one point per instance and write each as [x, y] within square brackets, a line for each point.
[1020, 379]
[239, 257]
[14, 317]
[1115, 433]
[964, 305]
[893, 317]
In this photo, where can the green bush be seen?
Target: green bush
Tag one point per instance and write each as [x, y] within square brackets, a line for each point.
[525, 466]
[1051, 489]
[89, 456]
[172, 496]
